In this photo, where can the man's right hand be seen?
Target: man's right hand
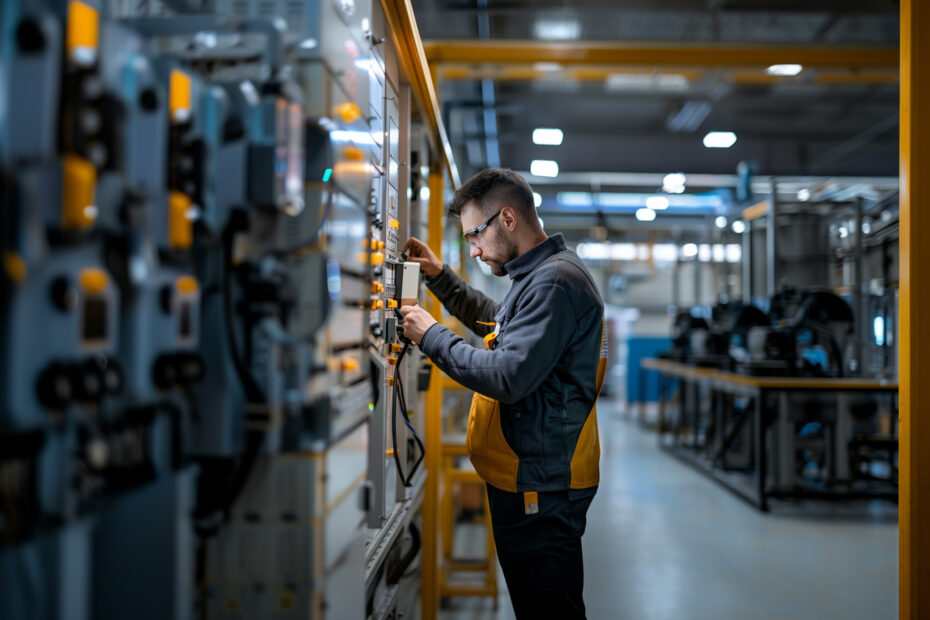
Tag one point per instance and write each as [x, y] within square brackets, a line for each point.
[419, 252]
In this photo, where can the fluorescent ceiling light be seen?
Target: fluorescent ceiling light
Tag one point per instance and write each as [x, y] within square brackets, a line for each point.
[645, 214]
[665, 82]
[665, 252]
[720, 139]
[804, 195]
[547, 66]
[620, 200]
[674, 183]
[689, 249]
[657, 203]
[575, 199]
[721, 222]
[784, 70]
[739, 227]
[552, 137]
[557, 29]
[541, 223]
[734, 252]
[544, 168]
[537, 199]
[615, 199]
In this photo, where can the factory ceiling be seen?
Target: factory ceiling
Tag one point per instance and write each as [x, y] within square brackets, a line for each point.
[636, 85]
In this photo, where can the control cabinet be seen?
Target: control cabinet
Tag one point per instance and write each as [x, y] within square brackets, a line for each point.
[207, 406]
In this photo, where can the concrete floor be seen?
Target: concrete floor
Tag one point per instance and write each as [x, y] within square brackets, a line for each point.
[665, 542]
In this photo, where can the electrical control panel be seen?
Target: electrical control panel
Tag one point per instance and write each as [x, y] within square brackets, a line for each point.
[207, 407]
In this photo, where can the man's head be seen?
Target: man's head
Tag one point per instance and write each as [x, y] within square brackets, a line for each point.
[498, 217]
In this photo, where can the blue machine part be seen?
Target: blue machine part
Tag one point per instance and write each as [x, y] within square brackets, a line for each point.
[816, 356]
[48, 577]
[643, 385]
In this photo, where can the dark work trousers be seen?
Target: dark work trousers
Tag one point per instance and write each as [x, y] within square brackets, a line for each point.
[540, 554]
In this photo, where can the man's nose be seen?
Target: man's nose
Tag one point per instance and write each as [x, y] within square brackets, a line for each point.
[474, 251]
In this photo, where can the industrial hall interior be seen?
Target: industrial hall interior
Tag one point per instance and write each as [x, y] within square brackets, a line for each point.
[464, 309]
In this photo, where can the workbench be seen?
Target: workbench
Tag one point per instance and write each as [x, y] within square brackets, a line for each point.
[770, 409]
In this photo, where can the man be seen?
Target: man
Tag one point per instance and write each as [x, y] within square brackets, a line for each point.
[532, 429]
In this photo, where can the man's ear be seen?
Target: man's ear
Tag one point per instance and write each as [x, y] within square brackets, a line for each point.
[509, 217]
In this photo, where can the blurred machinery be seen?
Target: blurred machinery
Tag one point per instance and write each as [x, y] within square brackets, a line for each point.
[806, 375]
[206, 407]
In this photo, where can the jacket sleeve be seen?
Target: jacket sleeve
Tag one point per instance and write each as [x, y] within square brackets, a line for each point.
[532, 343]
[462, 301]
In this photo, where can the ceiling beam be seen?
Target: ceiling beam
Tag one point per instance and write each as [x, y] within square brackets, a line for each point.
[522, 73]
[670, 54]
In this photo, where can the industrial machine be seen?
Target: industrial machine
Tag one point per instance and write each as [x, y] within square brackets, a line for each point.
[207, 409]
[817, 439]
[814, 341]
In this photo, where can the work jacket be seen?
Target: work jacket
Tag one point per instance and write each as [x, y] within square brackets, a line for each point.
[532, 424]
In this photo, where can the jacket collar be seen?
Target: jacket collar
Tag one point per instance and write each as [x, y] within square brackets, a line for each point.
[531, 259]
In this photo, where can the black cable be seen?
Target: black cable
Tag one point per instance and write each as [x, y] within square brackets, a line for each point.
[401, 398]
[210, 518]
[396, 570]
[252, 390]
[254, 439]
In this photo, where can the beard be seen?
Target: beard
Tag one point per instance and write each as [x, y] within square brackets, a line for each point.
[508, 250]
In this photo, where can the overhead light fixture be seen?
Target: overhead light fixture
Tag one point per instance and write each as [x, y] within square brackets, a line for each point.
[689, 250]
[544, 168]
[537, 199]
[552, 137]
[657, 203]
[575, 199]
[645, 214]
[424, 193]
[557, 29]
[541, 223]
[739, 227]
[547, 67]
[667, 82]
[784, 70]
[674, 183]
[721, 222]
[308, 44]
[804, 195]
[719, 139]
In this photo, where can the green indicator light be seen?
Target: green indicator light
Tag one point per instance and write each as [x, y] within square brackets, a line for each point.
[371, 406]
[327, 174]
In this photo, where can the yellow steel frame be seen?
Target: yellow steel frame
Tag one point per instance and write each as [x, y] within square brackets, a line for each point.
[523, 73]
[619, 54]
[487, 565]
[406, 38]
[421, 77]
[914, 428]
[756, 211]
[430, 588]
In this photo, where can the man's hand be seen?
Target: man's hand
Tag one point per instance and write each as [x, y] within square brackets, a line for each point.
[416, 322]
[419, 252]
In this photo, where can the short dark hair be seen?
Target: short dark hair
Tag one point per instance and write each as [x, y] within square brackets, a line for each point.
[493, 188]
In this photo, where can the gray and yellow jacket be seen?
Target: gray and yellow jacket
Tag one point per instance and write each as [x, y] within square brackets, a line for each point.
[532, 424]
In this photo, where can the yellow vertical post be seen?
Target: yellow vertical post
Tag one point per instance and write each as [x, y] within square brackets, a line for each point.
[429, 594]
[914, 355]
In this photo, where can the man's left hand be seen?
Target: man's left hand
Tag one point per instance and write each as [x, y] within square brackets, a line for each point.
[416, 322]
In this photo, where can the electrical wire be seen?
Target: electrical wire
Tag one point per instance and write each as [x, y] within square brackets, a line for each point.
[401, 398]
[252, 390]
